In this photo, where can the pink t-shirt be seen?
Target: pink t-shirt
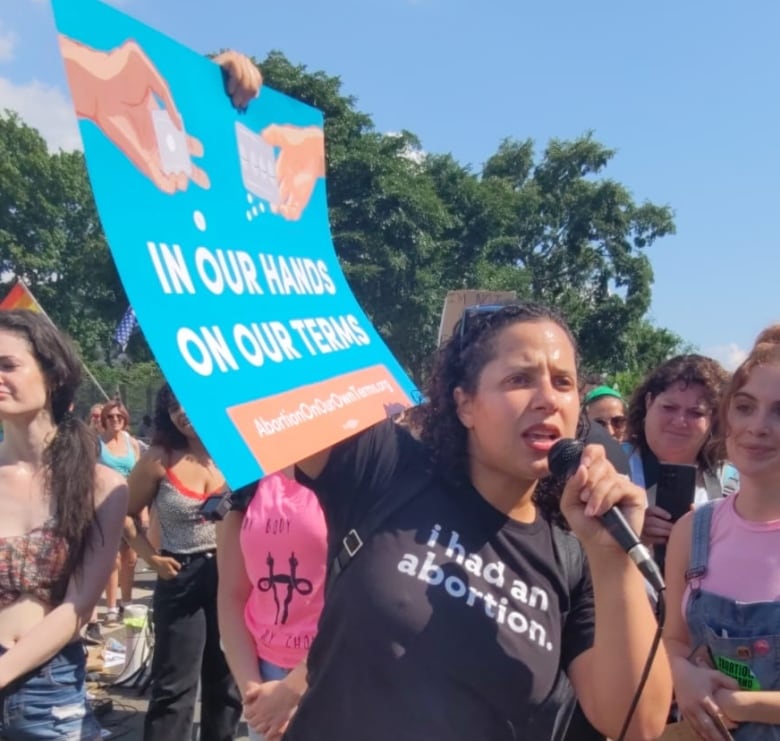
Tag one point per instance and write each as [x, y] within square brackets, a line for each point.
[283, 541]
[744, 559]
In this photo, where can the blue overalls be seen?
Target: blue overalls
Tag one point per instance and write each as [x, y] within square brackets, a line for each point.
[743, 638]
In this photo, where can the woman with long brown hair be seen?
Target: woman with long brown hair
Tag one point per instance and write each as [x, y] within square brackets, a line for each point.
[61, 517]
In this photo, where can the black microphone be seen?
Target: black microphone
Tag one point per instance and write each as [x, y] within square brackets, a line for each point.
[564, 460]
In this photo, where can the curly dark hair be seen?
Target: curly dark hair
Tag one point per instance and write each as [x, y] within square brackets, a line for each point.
[70, 458]
[459, 363]
[687, 370]
[166, 434]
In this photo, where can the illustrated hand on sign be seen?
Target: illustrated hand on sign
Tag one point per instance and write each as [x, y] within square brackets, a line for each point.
[126, 97]
[300, 163]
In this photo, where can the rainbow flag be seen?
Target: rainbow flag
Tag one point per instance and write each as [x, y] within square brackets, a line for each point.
[19, 297]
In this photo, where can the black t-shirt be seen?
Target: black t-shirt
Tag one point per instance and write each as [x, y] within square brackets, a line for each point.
[454, 622]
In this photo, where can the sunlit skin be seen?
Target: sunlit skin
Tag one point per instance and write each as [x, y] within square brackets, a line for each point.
[115, 424]
[195, 450]
[23, 405]
[525, 400]
[193, 467]
[753, 443]
[94, 417]
[182, 422]
[22, 385]
[28, 423]
[605, 411]
[677, 423]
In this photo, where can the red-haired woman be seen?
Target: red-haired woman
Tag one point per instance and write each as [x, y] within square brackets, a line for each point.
[723, 574]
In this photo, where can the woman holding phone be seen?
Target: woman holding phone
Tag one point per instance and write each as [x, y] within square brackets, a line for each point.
[673, 418]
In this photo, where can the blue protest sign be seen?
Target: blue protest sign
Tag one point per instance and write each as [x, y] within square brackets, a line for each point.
[217, 221]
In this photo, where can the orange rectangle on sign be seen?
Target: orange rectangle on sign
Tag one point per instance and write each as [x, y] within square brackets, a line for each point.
[293, 425]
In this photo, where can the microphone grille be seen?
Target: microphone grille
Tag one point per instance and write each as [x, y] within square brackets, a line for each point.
[564, 457]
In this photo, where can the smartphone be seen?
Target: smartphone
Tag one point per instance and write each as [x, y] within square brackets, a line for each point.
[215, 507]
[676, 488]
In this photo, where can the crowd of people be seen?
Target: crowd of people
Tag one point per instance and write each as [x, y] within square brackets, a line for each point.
[487, 601]
[425, 579]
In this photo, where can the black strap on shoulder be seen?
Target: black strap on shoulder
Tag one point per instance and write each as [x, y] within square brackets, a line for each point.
[241, 497]
[353, 542]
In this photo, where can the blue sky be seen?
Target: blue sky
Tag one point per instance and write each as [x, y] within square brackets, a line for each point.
[686, 92]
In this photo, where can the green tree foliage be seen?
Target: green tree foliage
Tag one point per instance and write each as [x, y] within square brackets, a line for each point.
[570, 238]
[135, 383]
[408, 226]
[386, 218]
[50, 236]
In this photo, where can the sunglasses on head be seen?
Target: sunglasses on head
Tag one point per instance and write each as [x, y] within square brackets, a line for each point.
[617, 423]
[471, 314]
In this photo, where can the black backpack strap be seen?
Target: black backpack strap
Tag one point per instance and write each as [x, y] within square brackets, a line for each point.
[353, 542]
[240, 498]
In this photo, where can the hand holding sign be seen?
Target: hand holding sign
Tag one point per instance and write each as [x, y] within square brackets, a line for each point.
[244, 78]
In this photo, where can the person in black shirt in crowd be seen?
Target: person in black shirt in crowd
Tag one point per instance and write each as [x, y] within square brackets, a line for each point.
[458, 619]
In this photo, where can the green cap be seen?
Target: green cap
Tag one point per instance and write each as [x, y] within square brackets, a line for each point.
[600, 391]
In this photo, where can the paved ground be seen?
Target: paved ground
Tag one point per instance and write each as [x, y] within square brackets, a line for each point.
[126, 719]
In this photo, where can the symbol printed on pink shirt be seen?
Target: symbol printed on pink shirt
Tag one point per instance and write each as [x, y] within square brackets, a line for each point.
[290, 581]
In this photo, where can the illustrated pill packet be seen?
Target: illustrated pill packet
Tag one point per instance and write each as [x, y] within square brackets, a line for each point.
[171, 144]
[258, 165]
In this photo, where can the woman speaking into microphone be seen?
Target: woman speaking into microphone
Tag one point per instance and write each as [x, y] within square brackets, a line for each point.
[462, 606]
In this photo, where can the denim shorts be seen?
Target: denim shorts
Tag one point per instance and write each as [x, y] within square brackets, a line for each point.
[49, 703]
[269, 672]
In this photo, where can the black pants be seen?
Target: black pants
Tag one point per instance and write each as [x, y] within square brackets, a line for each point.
[186, 649]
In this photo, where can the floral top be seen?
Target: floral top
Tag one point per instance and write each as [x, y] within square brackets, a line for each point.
[34, 564]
